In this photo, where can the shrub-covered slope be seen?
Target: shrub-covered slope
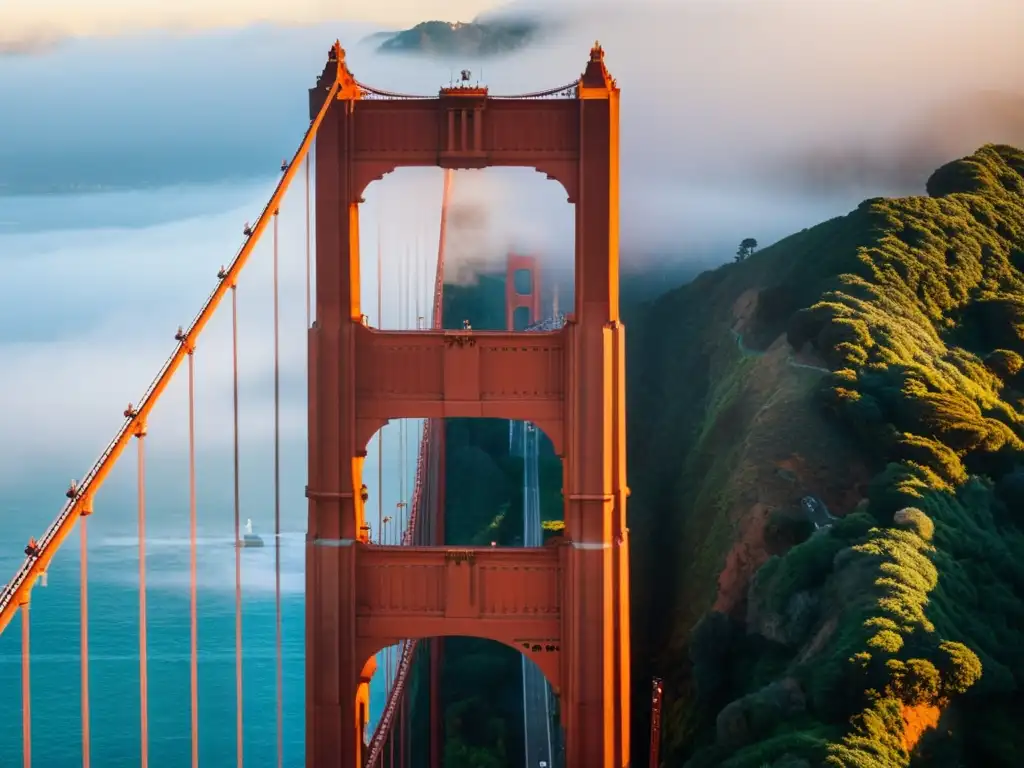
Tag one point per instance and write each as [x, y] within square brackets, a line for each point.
[874, 364]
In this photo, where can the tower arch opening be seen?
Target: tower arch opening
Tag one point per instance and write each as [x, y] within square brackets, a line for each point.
[515, 719]
[477, 221]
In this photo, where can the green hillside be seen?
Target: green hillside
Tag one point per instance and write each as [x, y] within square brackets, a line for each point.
[872, 366]
[873, 362]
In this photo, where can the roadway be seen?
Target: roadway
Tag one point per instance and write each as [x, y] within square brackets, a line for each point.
[536, 693]
[540, 732]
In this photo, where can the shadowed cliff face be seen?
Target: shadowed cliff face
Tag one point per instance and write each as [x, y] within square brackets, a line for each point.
[874, 363]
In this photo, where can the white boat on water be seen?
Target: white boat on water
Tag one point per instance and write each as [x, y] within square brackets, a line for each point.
[250, 539]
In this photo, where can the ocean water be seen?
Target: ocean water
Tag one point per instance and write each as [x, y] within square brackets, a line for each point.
[91, 290]
[114, 665]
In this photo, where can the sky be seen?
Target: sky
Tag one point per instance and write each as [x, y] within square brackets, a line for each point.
[29, 17]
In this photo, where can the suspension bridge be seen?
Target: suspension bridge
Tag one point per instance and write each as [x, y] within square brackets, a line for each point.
[382, 589]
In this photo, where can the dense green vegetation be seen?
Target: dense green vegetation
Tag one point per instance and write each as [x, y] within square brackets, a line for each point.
[884, 346]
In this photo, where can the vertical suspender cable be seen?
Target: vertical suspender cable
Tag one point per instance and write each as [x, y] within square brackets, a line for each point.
[238, 540]
[277, 511]
[143, 663]
[381, 537]
[193, 624]
[399, 727]
[417, 290]
[309, 318]
[417, 283]
[380, 433]
[403, 511]
[83, 533]
[26, 689]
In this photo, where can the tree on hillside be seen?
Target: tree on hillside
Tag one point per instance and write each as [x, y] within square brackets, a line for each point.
[747, 248]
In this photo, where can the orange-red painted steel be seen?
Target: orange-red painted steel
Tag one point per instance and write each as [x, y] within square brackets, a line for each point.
[278, 661]
[514, 300]
[83, 532]
[193, 597]
[26, 688]
[239, 728]
[569, 610]
[143, 641]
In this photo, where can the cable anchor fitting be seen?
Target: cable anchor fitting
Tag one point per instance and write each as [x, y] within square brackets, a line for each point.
[132, 413]
[222, 275]
[85, 506]
[183, 338]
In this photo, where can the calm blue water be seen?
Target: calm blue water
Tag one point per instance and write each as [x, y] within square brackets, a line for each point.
[114, 669]
[114, 665]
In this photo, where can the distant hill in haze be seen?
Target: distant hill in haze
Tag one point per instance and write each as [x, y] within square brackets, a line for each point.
[475, 38]
[27, 46]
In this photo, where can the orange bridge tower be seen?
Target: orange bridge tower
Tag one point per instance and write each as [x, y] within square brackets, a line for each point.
[565, 605]
[522, 289]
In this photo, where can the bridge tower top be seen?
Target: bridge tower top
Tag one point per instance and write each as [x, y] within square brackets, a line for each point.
[522, 289]
[595, 82]
[596, 75]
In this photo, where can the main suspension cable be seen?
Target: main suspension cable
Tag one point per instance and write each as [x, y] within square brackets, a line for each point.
[277, 510]
[193, 623]
[238, 540]
[26, 689]
[143, 645]
[83, 533]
